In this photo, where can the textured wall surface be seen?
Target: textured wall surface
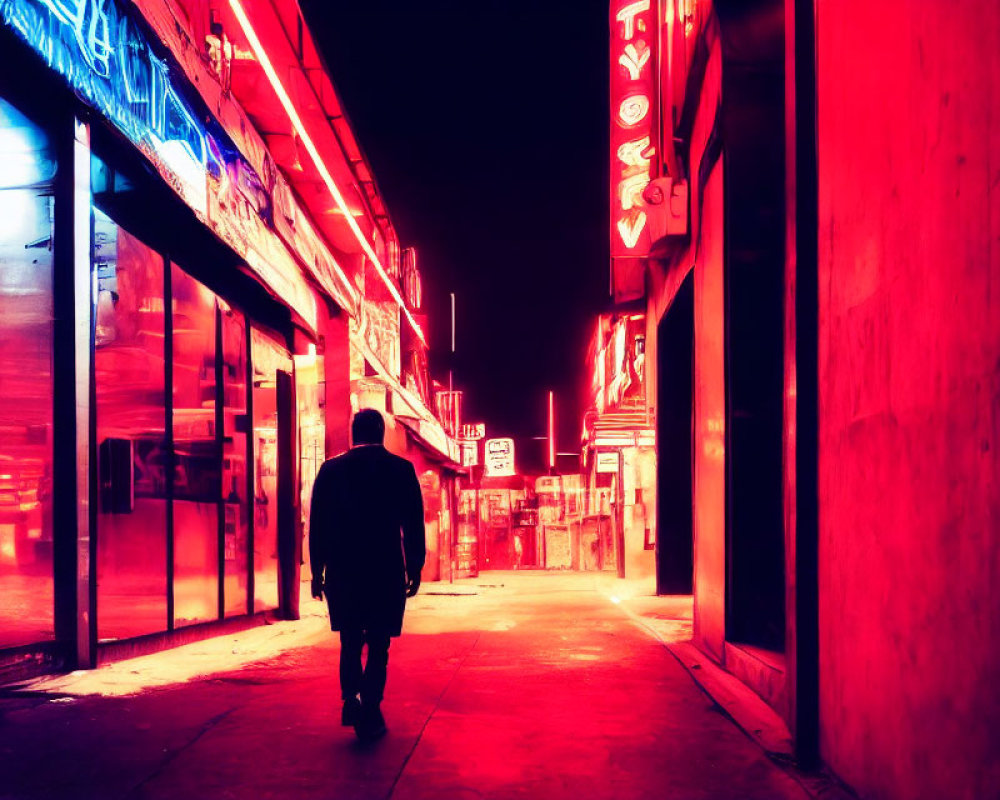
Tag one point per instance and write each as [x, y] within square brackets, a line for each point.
[909, 270]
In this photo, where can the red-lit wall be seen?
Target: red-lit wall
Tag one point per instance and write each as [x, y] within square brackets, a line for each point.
[710, 427]
[909, 383]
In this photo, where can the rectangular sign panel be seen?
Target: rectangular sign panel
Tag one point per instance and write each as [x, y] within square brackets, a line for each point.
[499, 457]
[607, 461]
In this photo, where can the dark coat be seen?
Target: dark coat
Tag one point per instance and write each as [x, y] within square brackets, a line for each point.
[361, 501]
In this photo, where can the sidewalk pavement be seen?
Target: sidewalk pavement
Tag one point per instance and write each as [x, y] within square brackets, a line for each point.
[512, 685]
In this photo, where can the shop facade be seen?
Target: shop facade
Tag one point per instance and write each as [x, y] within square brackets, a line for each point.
[182, 327]
[618, 454]
[821, 391]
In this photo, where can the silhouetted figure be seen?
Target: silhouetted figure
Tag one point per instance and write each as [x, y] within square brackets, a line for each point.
[361, 501]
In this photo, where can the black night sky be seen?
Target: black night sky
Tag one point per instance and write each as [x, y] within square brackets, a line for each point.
[486, 127]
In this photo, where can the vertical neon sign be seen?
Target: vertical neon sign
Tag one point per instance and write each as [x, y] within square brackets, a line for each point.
[633, 60]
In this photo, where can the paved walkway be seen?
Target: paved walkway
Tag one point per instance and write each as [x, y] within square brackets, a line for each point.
[515, 685]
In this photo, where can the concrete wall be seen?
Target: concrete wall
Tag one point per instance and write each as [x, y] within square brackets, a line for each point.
[909, 267]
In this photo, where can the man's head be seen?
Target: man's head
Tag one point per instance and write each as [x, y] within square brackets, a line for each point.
[368, 427]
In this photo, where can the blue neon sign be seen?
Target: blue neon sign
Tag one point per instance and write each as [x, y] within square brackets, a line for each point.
[103, 50]
[107, 59]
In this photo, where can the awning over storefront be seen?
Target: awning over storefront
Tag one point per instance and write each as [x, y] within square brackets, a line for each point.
[620, 428]
[431, 437]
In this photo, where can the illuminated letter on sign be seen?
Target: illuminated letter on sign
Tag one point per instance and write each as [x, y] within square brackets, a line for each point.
[630, 228]
[633, 109]
[634, 59]
[630, 190]
[634, 154]
[627, 16]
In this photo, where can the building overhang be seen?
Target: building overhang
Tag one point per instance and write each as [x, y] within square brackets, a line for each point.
[432, 439]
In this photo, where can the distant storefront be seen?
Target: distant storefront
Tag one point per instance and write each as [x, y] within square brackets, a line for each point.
[619, 455]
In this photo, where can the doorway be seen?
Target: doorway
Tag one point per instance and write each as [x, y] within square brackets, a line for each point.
[754, 356]
[675, 398]
[274, 529]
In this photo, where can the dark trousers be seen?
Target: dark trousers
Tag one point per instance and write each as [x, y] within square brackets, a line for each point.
[370, 681]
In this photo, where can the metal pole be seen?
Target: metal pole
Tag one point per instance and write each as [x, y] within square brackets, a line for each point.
[74, 445]
[84, 298]
[620, 514]
[451, 386]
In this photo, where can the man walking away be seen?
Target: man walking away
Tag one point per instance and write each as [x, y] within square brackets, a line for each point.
[361, 501]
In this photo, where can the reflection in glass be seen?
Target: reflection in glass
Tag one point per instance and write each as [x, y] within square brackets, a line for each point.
[197, 462]
[27, 168]
[309, 387]
[235, 503]
[268, 357]
[131, 434]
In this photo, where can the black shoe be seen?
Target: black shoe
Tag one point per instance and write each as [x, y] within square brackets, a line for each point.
[371, 725]
[351, 713]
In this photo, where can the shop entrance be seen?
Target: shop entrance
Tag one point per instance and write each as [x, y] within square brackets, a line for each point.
[274, 535]
[497, 540]
[674, 374]
[754, 286]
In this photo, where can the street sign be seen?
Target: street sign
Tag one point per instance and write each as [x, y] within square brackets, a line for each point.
[607, 461]
[473, 430]
[499, 459]
[470, 453]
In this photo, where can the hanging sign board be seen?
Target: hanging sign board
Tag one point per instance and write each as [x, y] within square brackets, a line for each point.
[499, 460]
[473, 430]
[633, 148]
[607, 461]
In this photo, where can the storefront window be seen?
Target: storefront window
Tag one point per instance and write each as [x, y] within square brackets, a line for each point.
[235, 503]
[268, 359]
[309, 392]
[131, 434]
[27, 170]
[197, 456]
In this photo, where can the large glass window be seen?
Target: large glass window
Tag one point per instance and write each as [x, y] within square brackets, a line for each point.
[198, 458]
[27, 170]
[235, 503]
[309, 392]
[131, 434]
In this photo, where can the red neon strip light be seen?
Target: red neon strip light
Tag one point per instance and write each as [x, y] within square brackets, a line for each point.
[338, 198]
[552, 436]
